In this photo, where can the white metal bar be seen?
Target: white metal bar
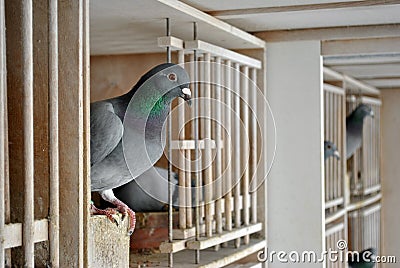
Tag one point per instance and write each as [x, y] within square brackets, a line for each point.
[237, 147]
[253, 138]
[223, 53]
[218, 138]
[169, 155]
[27, 55]
[244, 84]
[196, 138]
[54, 225]
[2, 130]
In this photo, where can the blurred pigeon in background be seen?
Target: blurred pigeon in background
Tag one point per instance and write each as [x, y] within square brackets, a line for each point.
[354, 127]
[330, 149]
[364, 259]
[127, 135]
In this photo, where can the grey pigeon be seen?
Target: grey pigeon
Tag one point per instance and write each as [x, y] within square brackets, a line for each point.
[354, 127]
[364, 259]
[149, 191]
[330, 149]
[127, 135]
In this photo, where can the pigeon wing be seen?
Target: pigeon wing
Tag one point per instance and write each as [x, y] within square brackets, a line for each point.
[106, 130]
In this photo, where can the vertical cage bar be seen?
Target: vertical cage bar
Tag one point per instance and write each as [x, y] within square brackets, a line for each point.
[331, 138]
[207, 149]
[196, 144]
[181, 155]
[188, 165]
[228, 147]
[237, 149]
[245, 152]
[339, 144]
[218, 139]
[2, 130]
[342, 146]
[54, 223]
[253, 147]
[325, 137]
[335, 140]
[336, 134]
[27, 52]
[169, 139]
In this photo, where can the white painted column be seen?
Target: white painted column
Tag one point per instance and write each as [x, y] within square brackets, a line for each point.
[390, 126]
[295, 183]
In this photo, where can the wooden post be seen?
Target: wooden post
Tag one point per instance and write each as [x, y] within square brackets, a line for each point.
[54, 222]
[72, 21]
[2, 130]
[86, 135]
[27, 63]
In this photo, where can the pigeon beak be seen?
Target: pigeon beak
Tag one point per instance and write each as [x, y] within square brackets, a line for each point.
[187, 95]
[372, 114]
[336, 154]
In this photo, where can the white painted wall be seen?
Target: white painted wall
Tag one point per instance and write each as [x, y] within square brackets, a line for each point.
[390, 127]
[295, 184]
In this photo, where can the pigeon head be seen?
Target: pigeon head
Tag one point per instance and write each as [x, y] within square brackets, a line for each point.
[330, 149]
[174, 79]
[156, 89]
[362, 111]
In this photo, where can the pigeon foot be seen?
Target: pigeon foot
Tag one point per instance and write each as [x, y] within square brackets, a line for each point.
[109, 196]
[123, 208]
[109, 212]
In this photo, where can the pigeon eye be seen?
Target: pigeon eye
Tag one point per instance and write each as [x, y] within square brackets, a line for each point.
[172, 77]
[329, 147]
